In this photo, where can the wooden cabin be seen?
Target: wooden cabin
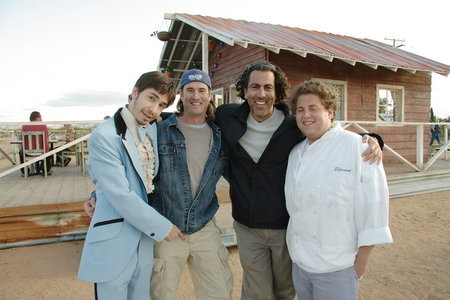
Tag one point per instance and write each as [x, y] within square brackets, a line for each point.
[373, 81]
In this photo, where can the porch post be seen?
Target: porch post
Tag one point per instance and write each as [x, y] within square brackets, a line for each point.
[446, 139]
[205, 52]
[419, 146]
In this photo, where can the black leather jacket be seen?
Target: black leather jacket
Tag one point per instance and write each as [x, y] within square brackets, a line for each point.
[257, 189]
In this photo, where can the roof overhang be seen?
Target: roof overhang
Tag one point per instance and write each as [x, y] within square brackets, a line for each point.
[186, 48]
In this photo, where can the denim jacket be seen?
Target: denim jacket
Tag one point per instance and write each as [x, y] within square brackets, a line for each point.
[173, 191]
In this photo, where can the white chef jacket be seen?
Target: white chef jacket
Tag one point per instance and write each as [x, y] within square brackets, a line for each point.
[336, 202]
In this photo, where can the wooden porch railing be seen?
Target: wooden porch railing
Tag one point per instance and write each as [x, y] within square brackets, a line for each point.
[419, 166]
[12, 129]
[38, 158]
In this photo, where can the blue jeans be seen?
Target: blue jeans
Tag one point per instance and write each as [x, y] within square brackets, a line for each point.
[435, 136]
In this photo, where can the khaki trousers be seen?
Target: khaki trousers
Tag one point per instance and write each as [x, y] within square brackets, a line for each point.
[207, 260]
[266, 263]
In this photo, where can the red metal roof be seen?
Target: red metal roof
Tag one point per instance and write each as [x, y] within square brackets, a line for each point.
[306, 42]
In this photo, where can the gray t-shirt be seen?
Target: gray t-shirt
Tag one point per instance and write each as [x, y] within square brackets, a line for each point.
[198, 140]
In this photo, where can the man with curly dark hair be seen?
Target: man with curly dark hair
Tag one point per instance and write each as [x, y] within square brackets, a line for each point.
[259, 135]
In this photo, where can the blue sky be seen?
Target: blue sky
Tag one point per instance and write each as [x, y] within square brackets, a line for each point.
[78, 59]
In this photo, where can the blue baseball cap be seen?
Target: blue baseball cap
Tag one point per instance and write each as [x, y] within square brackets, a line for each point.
[195, 75]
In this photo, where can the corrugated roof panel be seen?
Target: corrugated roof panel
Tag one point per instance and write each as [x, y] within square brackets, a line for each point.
[314, 42]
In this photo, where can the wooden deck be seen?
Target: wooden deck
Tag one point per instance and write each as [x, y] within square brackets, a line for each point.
[67, 184]
[39, 210]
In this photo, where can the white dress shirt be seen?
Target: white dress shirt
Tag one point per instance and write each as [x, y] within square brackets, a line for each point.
[336, 202]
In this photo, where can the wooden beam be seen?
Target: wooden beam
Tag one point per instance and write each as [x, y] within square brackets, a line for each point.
[373, 66]
[243, 44]
[437, 155]
[326, 57]
[191, 57]
[271, 48]
[419, 146]
[7, 156]
[34, 222]
[412, 71]
[175, 43]
[394, 69]
[351, 62]
[299, 52]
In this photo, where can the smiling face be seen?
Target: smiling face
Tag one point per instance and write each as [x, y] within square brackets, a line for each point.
[312, 117]
[147, 105]
[195, 97]
[260, 94]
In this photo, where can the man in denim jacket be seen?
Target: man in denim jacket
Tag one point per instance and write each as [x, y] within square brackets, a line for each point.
[191, 163]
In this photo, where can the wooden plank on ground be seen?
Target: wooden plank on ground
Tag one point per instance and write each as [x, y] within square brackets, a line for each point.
[41, 221]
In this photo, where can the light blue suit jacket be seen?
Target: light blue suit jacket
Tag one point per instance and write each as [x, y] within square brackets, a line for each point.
[122, 213]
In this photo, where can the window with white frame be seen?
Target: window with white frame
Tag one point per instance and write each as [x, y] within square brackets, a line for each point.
[234, 98]
[390, 103]
[218, 96]
[340, 91]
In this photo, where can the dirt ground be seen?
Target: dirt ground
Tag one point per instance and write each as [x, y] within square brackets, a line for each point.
[416, 266]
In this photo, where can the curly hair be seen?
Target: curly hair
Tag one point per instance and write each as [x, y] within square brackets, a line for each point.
[314, 87]
[281, 82]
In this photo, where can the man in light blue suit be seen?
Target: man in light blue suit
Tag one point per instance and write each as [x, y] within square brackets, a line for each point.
[118, 250]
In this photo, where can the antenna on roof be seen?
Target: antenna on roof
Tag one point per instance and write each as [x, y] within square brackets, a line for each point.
[396, 40]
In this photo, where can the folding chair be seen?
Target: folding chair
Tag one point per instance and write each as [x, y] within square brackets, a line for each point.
[34, 144]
